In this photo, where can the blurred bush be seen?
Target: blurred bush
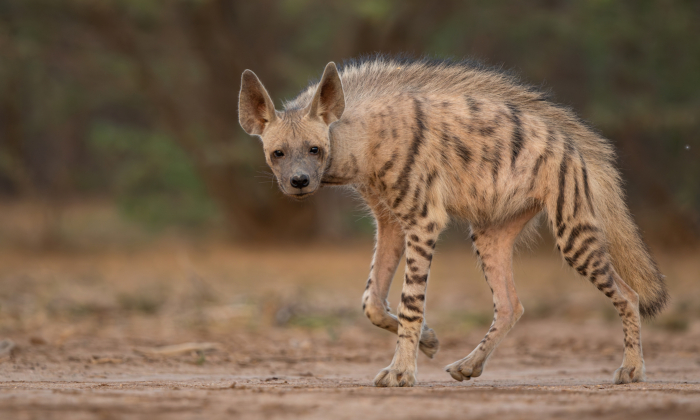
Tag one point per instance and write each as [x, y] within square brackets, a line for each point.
[152, 180]
[136, 101]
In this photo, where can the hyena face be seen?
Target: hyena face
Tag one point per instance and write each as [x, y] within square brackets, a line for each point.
[296, 141]
[296, 149]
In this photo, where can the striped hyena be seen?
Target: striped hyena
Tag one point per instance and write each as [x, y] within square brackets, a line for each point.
[423, 141]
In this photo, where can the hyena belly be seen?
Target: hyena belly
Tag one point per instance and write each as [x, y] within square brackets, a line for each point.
[498, 181]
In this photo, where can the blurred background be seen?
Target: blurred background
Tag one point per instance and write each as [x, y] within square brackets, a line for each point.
[127, 186]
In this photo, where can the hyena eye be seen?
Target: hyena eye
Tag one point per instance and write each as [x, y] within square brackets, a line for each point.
[313, 150]
[278, 153]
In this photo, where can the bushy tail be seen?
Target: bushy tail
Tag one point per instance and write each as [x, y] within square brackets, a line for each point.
[630, 255]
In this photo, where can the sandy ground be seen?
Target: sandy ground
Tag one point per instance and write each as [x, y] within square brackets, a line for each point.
[289, 342]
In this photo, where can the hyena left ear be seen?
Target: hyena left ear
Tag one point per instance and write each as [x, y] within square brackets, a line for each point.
[329, 100]
[255, 108]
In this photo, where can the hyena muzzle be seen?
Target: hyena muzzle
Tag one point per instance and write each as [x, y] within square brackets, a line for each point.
[423, 141]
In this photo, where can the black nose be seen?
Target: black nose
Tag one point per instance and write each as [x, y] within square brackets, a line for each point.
[299, 181]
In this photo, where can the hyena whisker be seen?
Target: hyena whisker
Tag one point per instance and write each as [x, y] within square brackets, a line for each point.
[424, 142]
[265, 174]
[269, 177]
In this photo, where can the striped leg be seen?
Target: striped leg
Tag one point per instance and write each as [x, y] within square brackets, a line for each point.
[495, 250]
[419, 254]
[626, 301]
[389, 249]
[582, 242]
[584, 252]
[627, 304]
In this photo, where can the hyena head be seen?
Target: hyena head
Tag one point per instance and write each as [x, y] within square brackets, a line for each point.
[296, 142]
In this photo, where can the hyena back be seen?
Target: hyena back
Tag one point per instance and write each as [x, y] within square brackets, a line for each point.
[424, 141]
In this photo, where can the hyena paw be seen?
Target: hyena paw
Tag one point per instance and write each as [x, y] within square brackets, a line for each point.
[467, 368]
[429, 343]
[389, 377]
[625, 375]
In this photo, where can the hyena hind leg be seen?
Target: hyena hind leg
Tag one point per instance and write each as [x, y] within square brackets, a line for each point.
[494, 246]
[585, 251]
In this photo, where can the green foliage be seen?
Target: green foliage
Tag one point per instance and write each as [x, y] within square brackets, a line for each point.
[375, 10]
[152, 178]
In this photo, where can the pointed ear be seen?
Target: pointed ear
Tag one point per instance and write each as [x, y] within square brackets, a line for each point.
[255, 108]
[329, 100]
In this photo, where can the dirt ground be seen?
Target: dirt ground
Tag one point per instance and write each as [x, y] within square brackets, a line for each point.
[278, 333]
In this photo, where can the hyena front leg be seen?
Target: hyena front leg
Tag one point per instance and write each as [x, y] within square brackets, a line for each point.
[389, 249]
[494, 247]
[419, 254]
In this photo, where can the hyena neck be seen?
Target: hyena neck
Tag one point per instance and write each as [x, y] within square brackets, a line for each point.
[346, 165]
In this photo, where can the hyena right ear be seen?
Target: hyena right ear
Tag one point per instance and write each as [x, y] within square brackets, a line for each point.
[329, 100]
[255, 108]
